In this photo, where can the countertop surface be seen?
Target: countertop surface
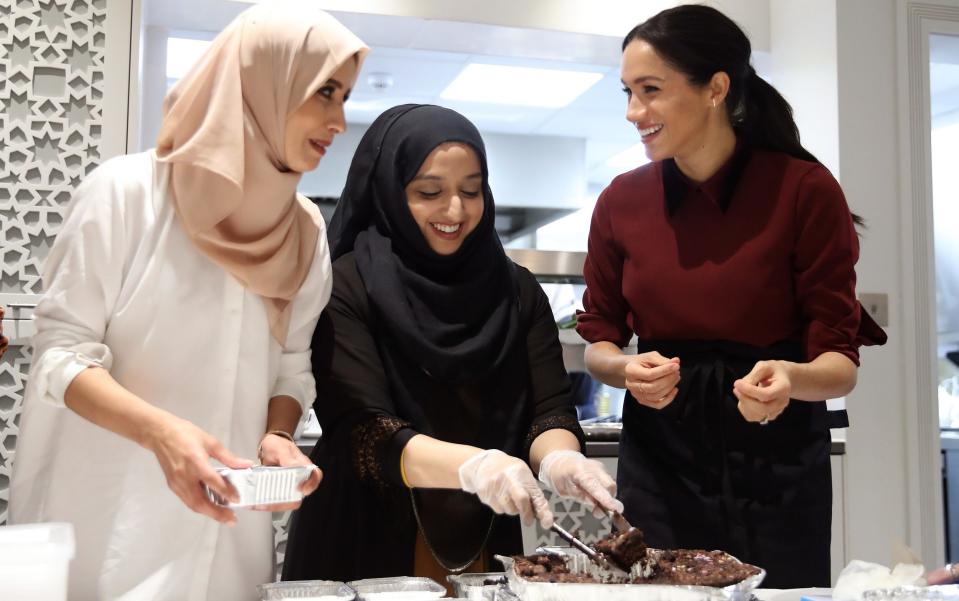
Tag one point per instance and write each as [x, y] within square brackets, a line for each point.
[602, 440]
[949, 439]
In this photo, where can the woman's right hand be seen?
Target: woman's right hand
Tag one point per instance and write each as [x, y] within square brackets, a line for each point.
[507, 485]
[652, 379]
[184, 453]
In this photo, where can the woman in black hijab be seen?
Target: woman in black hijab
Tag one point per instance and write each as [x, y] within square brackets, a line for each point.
[439, 371]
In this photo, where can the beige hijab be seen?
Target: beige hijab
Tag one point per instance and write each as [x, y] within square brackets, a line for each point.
[223, 135]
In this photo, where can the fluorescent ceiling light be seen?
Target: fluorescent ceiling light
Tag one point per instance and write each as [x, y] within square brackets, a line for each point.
[181, 54]
[519, 86]
[631, 158]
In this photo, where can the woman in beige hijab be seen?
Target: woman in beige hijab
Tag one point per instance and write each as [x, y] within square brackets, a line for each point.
[181, 296]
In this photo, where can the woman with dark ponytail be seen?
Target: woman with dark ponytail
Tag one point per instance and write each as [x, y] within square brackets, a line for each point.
[731, 257]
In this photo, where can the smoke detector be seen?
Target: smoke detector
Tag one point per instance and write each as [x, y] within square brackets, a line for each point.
[379, 81]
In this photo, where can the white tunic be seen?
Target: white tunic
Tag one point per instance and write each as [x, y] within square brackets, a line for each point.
[128, 290]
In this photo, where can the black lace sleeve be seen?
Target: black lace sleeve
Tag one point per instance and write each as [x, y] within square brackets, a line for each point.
[374, 449]
[556, 422]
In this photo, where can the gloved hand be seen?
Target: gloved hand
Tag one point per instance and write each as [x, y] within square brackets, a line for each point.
[570, 474]
[507, 485]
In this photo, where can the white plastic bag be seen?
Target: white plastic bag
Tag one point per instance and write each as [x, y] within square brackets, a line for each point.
[861, 576]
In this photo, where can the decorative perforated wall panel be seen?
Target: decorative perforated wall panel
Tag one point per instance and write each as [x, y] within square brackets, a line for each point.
[573, 516]
[51, 93]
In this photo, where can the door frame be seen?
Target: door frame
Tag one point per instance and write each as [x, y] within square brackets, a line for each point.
[915, 22]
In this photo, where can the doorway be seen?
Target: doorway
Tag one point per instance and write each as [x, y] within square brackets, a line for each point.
[944, 137]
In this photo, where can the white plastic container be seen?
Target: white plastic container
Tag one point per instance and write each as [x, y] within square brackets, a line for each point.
[35, 561]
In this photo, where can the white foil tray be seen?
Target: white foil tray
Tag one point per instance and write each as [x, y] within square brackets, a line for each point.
[263, 485]
[405, 588]
[306, 590]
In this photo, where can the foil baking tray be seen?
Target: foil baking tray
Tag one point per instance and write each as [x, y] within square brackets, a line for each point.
[479, 586]
[263, 485]
[398, 588]
[579, 563]
[306, 590]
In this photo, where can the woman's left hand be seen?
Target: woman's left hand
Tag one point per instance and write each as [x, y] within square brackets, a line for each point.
[764, 392]
[569, 474]
[276, 450]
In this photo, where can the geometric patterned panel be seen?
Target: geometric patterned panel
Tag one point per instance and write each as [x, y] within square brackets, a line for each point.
[13, 368]
[51, 98]
[573, 517]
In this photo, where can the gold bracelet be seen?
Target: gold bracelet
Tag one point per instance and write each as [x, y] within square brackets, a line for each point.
[280, 433]
[406, 481]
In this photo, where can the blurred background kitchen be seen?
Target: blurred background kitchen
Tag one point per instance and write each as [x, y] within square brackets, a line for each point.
[874, 85]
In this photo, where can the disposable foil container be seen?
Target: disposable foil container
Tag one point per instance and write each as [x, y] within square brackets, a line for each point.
[306, 590]
[399, 588]
[263, 485]
[939, 592]
[579, 563]
[480, 586]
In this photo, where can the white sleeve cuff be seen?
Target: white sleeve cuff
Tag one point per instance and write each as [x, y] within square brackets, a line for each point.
[295, 379]
[57, 367]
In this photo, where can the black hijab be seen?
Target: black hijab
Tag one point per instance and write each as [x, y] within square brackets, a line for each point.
[456, 316]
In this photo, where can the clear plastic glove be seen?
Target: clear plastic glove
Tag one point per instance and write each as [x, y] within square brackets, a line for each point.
[507, 485]
[570, 474]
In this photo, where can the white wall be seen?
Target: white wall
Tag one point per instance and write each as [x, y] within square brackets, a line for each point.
[525, 171]
[152, 85]
[803, 50]
[878, 518]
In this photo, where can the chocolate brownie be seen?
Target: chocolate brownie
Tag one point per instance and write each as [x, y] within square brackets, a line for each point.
[679, 566]
[699, 567]
[624, 548]
[546, 568]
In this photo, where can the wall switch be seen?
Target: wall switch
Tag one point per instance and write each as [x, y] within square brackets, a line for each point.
[877, 305]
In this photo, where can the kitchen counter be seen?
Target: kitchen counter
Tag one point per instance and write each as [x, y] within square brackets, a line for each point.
[602, 440]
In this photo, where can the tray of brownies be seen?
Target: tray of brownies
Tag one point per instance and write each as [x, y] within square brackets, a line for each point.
[567, 574]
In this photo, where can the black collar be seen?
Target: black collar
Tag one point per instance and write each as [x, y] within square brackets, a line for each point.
[720, 187]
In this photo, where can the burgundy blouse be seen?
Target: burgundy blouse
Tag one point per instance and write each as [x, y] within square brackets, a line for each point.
[762, 252]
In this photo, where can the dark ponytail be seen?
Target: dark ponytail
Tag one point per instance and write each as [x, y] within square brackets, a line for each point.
[767, 121]
[700, 41]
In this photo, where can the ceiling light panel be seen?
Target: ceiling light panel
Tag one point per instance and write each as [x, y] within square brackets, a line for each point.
[519, 86]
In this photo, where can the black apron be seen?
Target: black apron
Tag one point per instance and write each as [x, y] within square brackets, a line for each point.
[697, 475]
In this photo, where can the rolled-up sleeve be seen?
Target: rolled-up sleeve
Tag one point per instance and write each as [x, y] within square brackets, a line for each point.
[83, 277]
[826, 251]
[604, 314]
[295, 379]
[295, 373]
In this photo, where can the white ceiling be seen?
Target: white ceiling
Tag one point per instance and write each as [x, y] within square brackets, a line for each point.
[423, 56]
